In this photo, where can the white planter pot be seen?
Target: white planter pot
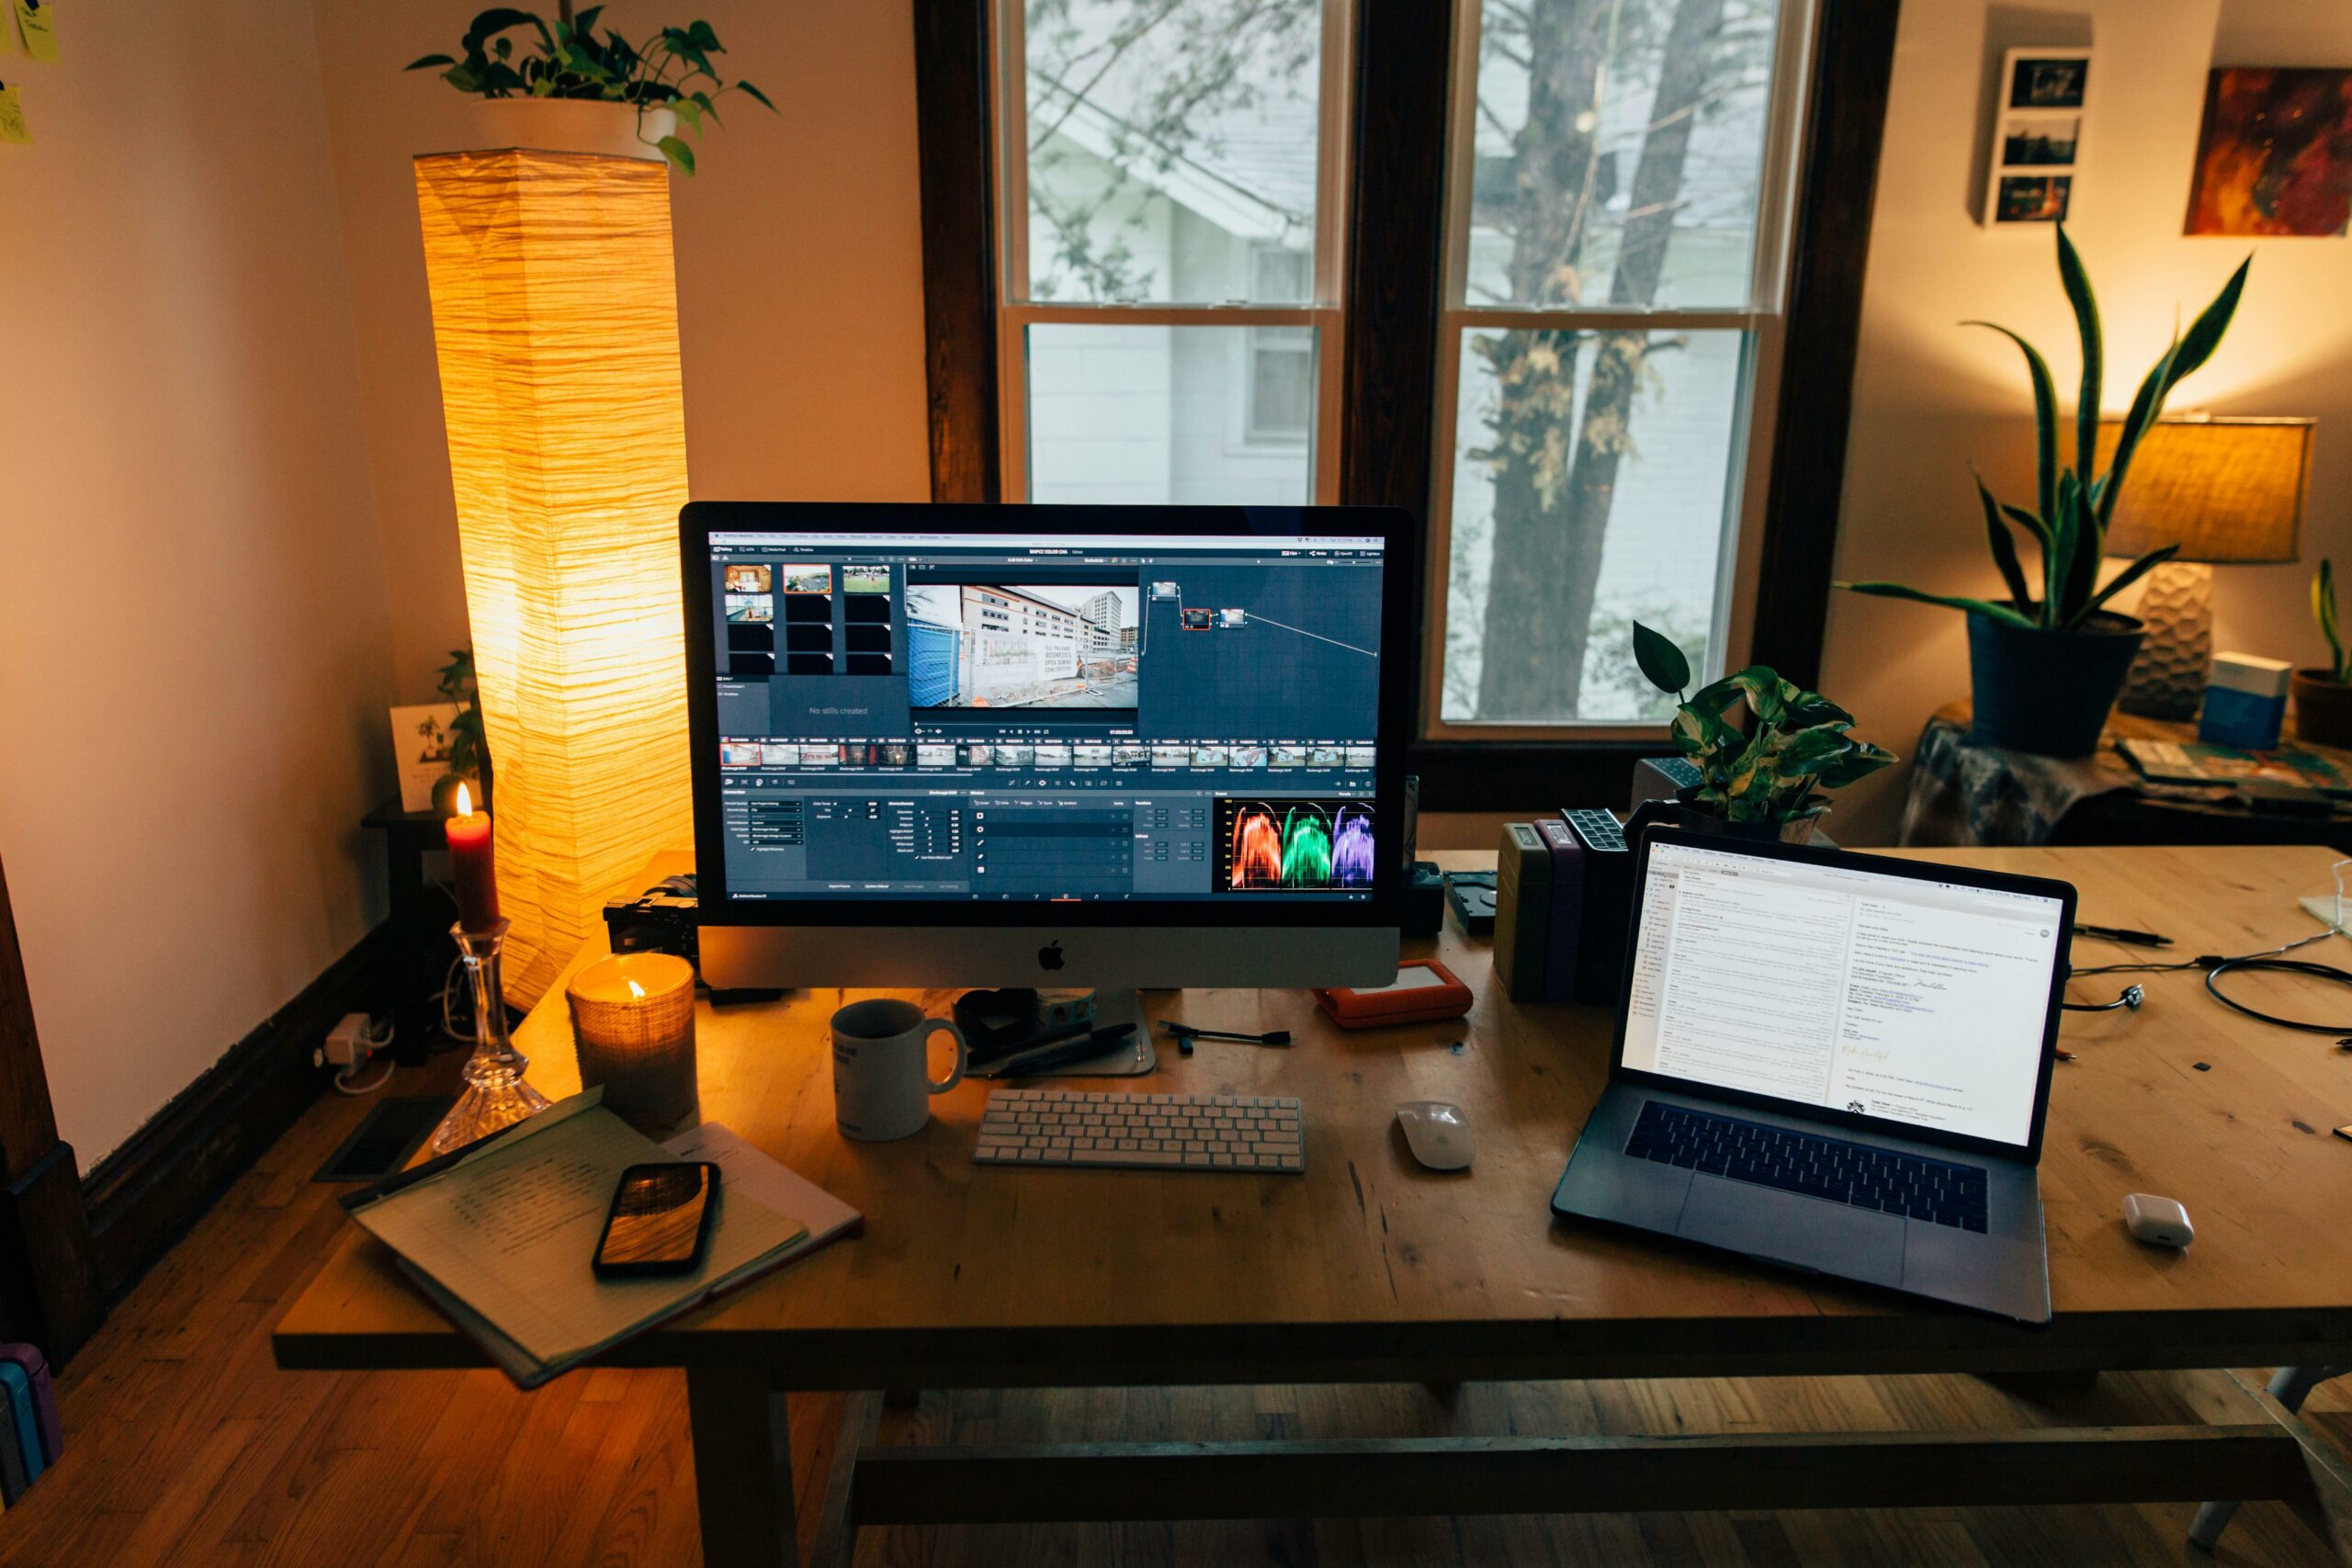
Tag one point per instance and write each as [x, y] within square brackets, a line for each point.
[570, 125]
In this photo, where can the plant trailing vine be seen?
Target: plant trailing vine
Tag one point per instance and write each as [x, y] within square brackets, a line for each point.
[1800, 744]
[672, 70]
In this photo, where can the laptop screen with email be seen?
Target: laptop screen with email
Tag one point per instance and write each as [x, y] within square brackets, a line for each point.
[1817, 981]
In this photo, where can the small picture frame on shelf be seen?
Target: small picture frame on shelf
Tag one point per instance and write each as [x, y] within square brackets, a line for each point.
[2037, 137]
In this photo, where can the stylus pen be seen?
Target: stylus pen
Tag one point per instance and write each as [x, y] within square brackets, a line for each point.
[1048, 1057]
[2119, 933]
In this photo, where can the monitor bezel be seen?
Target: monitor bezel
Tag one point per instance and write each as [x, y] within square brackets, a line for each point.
[1914, 869]
[1400, 599]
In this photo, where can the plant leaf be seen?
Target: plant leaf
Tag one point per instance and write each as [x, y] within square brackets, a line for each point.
[2146, 404]
[429, 60]
[2204, 335]
[756, 96]
[2124, 579]
[2001, 612]
[678, 152]
[1761, 687]
[2045, 418]
[2005, 549]
[2078, 294]
[2323, 611]
[1660, 660]
[2089, 542]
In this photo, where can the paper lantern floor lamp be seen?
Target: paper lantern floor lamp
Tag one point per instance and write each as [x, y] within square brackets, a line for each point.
[555, 322]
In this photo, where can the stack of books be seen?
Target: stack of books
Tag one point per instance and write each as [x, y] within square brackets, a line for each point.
[31, 1439]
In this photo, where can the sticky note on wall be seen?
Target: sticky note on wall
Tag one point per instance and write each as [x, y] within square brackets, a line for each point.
[33, 26]
[12, 117]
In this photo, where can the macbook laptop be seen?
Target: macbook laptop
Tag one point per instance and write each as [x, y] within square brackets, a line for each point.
[1835, 1062]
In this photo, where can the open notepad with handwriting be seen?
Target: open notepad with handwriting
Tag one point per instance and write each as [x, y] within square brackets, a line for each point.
[500, 1234]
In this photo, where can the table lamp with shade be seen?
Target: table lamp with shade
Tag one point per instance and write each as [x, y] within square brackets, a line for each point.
[2229, 492]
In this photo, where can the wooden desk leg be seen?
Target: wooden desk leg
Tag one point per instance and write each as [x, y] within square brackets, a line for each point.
[836, 1542]
[2328, 1509]
[742, 1468]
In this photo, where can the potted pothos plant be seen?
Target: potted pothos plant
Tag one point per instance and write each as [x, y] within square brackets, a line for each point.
[2323, 697]
[469, 743]
[563, 90]
[1768, 780]
[2047, 663]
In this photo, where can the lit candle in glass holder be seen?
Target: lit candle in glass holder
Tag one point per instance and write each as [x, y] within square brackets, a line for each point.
[633, 1020]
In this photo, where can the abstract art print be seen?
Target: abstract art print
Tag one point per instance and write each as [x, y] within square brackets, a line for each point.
[2275, 156]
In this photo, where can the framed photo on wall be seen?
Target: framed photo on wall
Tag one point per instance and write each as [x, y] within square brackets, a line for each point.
[2037, 132]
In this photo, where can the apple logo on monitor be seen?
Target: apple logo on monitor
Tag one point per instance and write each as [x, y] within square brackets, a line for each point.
[1050, 955]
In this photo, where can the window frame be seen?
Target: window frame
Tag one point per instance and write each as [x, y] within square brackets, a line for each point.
[1015, 312]
[1760, 323]
[1385, 357]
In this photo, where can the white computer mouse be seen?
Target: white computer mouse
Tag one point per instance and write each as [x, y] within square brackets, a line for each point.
[2160, 1221]
[1437, 1133]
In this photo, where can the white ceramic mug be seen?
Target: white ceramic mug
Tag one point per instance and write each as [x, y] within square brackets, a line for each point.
[882, 1082]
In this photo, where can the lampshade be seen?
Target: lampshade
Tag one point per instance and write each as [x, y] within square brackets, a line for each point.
[555, 321]
[2224, 489]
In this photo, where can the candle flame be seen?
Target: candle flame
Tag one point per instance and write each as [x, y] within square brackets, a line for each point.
[636, 991]
[465, 802]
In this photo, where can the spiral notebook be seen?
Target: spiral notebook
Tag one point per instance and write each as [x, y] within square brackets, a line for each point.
[500, 1235]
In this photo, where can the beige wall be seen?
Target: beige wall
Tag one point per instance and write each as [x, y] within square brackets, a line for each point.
[192, 636]
[1930, 396]
[800, 273]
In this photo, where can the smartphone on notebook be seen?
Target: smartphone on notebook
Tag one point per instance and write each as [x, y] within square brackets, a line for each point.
[660, 1220]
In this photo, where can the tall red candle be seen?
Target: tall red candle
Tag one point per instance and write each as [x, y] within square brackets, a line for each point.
[474, 865]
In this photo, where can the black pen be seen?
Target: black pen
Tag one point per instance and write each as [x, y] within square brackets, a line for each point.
[1061, 1055]
[2119, 933]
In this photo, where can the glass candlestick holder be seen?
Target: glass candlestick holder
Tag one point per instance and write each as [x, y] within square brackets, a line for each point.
[495, 1094]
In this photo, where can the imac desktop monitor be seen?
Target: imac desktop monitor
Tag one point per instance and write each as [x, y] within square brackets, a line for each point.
[1056, 745]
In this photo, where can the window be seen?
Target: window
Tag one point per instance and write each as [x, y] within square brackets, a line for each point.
[1612, 290]
[1169, 328]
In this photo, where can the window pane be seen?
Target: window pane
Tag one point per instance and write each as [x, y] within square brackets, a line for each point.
[1167, 138]
[1156, 416]
[1618, 146]
[1281, 383]
[1591, 473]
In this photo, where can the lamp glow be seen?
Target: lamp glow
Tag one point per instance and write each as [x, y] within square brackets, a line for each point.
[555, 324]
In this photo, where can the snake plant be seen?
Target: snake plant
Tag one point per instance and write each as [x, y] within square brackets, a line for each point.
[2339, 665]
[1800, 742]
[2073, 506]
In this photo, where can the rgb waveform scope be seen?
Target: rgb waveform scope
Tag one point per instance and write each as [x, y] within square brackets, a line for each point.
[1294, 846]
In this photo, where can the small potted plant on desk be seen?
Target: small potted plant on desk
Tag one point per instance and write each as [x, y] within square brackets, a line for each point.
[1765, 782]
[2323, 697]
[2045, 671]
[574, 93]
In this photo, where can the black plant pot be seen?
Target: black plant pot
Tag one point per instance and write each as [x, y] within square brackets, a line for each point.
[2043, 692]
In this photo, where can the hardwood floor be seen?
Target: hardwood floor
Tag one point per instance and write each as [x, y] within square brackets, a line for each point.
[185, 1446]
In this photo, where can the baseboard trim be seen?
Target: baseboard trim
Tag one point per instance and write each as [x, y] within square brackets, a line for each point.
[143, 1197]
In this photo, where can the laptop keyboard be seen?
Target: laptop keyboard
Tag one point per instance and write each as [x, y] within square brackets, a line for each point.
[1814, 1167]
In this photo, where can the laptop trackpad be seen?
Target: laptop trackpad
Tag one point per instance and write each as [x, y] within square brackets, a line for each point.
[1855, 1244]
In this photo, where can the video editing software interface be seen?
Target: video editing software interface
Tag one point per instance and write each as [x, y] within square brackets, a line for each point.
[1002, 718]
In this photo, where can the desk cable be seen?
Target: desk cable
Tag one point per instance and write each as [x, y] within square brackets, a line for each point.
[2272, 960]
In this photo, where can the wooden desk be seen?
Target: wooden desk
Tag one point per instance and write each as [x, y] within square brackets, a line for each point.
[1370, 1268]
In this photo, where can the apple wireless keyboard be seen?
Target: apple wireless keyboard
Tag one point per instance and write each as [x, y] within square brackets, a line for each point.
[1143, 1132]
